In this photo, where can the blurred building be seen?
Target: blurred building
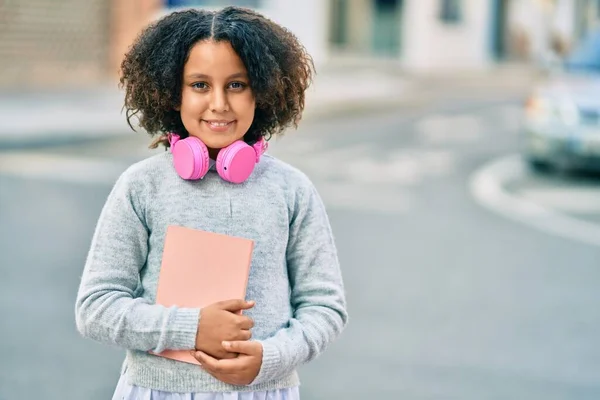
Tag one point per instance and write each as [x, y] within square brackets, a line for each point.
[74, 42]
[67, 43]
[459, 34]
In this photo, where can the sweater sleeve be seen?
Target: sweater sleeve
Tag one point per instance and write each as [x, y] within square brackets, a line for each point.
[317, 294]
[108, 308]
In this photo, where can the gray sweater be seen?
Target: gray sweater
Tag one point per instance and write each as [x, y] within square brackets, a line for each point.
[295, 276]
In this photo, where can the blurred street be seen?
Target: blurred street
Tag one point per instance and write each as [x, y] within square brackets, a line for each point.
[447, 299]
[469, 276]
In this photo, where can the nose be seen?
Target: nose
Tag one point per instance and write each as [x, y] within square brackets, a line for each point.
[218, 101]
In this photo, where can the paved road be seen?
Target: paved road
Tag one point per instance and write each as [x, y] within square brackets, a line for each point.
[447, 299]
[575, 194]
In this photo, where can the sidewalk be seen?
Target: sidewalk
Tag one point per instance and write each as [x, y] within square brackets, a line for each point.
[42, 118]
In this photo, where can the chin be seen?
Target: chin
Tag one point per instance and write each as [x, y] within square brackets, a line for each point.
[216, 142]
[219, 144]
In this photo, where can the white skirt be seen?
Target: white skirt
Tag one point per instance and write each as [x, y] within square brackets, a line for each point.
[125, 391]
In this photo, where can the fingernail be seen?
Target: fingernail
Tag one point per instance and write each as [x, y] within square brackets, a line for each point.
[226, 344]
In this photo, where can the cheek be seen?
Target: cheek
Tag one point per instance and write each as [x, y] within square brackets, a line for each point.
[191, 104]
[245, 109]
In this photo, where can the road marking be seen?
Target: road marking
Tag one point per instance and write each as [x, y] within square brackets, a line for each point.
[487, 185]
[344, 194]
[355, 177]
[360, 164]
[60, 168]
[373, 198]
[440, 129]
[510, 117]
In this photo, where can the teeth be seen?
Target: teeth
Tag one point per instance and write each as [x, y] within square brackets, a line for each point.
[219, 123]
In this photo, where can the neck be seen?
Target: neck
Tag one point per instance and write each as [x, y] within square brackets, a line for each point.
[213, 153]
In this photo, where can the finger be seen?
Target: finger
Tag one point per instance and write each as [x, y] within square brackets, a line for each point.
[251, 348]
[207, 362]
[226, 355]
[245, 322]
[193, 353]
[243, 335]
[220, 367]
[199, 356]
[235, 305]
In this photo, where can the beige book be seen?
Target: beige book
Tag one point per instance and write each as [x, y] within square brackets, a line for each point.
[200, 268]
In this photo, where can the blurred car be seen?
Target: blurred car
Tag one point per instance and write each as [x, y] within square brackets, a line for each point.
[562, 116]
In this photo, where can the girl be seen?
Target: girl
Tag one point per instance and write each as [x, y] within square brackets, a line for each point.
[212, 87]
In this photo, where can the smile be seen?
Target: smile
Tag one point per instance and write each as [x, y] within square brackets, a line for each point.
[219, 126]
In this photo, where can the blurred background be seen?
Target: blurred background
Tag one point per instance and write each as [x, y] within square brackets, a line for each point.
[456, 144]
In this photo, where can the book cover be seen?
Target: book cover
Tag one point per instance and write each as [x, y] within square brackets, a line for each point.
[200, 268]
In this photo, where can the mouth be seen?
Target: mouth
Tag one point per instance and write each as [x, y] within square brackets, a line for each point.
[218, 125]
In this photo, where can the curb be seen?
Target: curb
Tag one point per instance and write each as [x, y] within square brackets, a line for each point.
[487, 185]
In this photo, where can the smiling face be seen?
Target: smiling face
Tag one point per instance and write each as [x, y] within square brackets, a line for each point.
[217, 104]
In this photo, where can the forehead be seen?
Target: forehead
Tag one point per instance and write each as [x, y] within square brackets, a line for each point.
[214, 59]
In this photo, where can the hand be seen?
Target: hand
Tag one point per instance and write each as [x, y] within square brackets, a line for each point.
[222, 321]
[239, 371]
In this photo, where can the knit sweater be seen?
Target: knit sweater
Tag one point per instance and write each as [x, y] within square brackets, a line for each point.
[295, 277]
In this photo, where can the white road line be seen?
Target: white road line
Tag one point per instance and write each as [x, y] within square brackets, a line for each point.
[487, 186]
[358, 164]
[372, 198]
[441, 129]
[351, 177]
[60, 168]
[510, 117]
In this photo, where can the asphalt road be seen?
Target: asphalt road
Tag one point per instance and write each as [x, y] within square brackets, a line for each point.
[447, 300]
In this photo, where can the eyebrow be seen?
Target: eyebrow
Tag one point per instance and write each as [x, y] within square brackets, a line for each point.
[203, 76]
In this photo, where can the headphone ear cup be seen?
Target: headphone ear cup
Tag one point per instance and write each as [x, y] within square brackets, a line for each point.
[190, 157]
[236, 162]
[260, 147]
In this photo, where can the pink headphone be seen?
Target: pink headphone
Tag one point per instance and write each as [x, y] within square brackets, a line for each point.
[234, 163]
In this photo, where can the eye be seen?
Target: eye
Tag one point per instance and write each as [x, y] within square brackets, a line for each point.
[200, 85]
[237, 85]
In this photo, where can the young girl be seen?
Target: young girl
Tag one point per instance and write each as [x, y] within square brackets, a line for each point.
[212, 87]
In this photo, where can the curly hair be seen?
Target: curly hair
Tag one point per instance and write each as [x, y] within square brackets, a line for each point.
[279, 69]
